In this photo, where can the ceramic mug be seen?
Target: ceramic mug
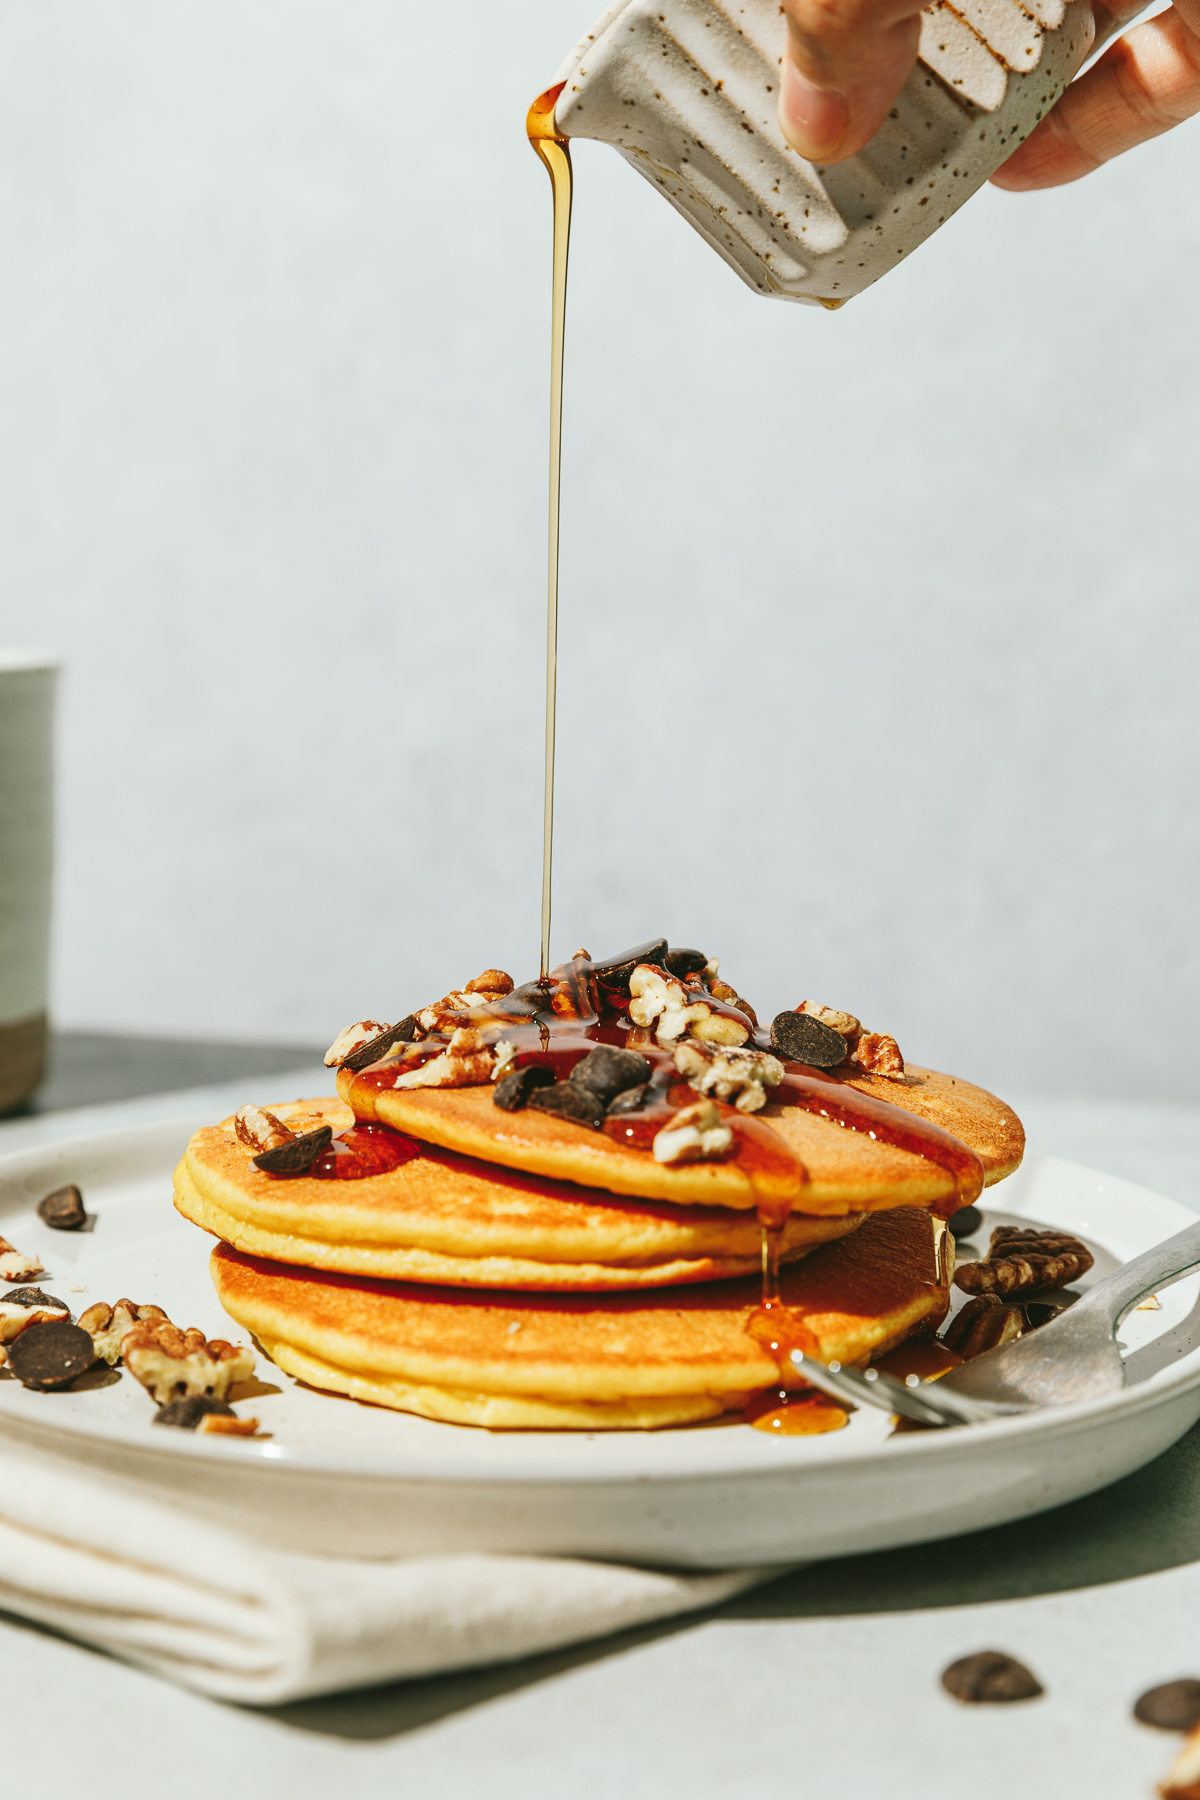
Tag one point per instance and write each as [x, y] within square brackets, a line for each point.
[27, 686]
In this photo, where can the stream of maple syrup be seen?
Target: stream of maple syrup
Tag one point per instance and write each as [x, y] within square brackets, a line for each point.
[551, 147]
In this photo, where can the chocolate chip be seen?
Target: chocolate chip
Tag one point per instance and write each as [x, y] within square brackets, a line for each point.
[377, 1047]
[566, 1101]
[614, 972]
[683, 963]
[1175, 1706]
[298, 1154]
[632, 1100]
[63, 1209]
[799, 1037]
[990, 1678]
[512, 1092]
[48, 1356]
[187, 1413]
[607, 1071]
[1040, 1312]
[966, 1220]
[30, 1296]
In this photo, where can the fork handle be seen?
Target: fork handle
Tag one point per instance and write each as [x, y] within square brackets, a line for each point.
[1168, 1262]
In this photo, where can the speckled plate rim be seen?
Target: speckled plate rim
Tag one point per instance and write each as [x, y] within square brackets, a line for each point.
[1112, 1213]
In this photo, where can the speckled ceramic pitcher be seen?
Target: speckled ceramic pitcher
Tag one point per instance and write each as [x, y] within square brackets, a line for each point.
[687, 91]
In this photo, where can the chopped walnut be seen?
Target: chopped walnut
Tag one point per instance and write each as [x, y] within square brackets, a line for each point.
[844, 1023]
[1018, 1262]
[15, 1265]
[878, 1054]
[658, 1000]
[466, 1061]
[259, 1129]
[447, 1013]
[171, 1364]
[504, 1055]
[1183, 1783]
[107, 1326]
[14, 1319]
[721, 990]
[492, 981]
[696, 1134]
[739, 1076]
[224, 1426]
[350, 1040]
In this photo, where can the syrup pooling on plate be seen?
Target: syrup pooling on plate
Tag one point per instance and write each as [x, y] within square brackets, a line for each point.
[806, 1414]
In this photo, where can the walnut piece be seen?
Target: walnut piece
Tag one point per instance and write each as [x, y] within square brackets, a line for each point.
[696, 1134]
[739, 1076]
[259, 1129]
[107, 1326]
[492, 981]
[1018, 1262]
[348, 1041]
[14, 1319]
[878, 1054]
[15, 1265]
[1183, 1783]
[171, 1364]
[659, 1000]
[467, 1060]
[844, 1023]
[983, 1324]
[223, 1426]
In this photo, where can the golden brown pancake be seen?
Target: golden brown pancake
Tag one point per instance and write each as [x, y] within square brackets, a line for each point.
[447, 1218]
[517, 1361]
[847, 1171]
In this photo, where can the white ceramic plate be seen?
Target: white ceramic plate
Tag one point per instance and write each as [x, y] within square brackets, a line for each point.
[344, 1478]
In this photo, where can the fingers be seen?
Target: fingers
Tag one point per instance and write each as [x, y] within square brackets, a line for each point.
[1148, 81]
[846, 62]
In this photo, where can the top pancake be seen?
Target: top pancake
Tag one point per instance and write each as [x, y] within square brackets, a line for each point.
[847, 1171]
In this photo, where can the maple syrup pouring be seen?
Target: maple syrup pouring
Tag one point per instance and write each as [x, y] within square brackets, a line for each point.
[551, 147]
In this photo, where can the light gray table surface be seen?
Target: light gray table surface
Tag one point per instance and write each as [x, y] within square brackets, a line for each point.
[822, 1686]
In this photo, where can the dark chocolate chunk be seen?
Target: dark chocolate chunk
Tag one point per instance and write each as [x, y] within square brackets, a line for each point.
[614, 972]
[298, 1154]
[63, 1209]
[1175, 1706]
[377, 1047]
[799, 1037]
[683, 963]
[31, 1296]
[512, 1092]
[566, 1101]
[187, 1413]
[607, 1072]
[48, 1356]
[966, 1220]
[989, 1678]
[632, 1100]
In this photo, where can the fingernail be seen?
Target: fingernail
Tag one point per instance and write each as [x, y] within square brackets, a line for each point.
[812, 119]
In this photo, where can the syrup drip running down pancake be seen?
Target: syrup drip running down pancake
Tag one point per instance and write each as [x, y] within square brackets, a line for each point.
[440, 1217]
[515, 1361]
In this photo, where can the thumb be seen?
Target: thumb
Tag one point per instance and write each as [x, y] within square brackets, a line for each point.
[845, 63]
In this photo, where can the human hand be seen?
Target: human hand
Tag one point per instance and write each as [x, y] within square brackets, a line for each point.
[848, 59]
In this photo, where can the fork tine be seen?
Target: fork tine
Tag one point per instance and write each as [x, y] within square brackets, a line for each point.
[922, 1403]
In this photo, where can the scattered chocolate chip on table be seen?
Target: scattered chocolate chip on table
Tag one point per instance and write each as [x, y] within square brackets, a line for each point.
[51, 1355]
[1175, 1706]
[990, 1678]
[63, 1209]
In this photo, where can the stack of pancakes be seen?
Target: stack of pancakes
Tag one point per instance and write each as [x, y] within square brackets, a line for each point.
[522, 1271]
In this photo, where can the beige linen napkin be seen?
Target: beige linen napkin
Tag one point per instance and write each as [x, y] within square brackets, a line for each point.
[103, 1560]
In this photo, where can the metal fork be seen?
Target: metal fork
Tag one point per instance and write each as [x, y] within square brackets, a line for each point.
[1072, 1358]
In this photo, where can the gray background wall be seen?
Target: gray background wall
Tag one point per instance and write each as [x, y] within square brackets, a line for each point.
[880, 629]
